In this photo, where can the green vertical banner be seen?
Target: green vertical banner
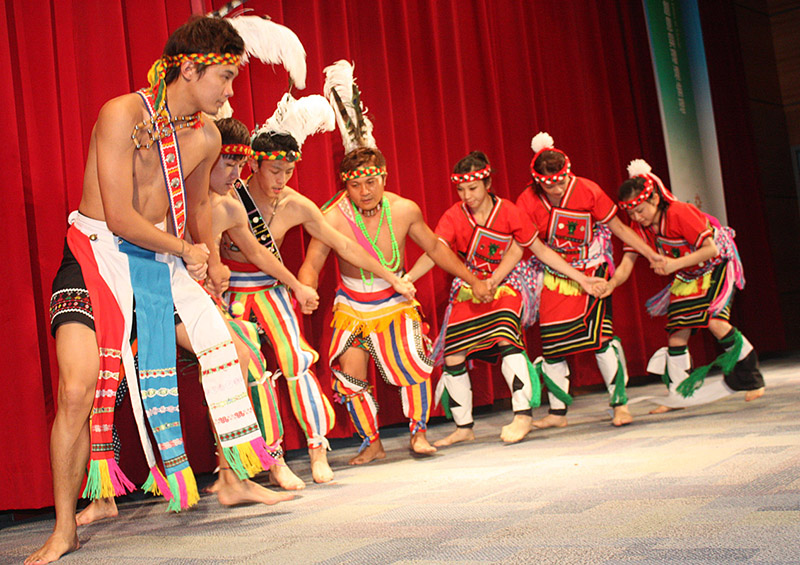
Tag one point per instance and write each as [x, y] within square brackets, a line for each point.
[684, 93]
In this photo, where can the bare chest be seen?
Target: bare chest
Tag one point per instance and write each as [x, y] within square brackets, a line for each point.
[150, 191]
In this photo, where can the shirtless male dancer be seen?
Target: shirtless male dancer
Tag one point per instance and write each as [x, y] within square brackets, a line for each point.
[123, 201]
[370, 319]
[280, 208]
[229, 216]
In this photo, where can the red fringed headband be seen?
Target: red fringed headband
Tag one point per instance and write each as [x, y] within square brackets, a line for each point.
[645, 194]
[158, 72]
[456, 178]
[290, 156]
[371, 171]
[555, 177]
[236, 150]
[650, 182]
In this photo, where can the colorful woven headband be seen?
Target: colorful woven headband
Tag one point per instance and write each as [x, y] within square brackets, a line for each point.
[239, 149]
[371, 171]
[157, 73]
[456, 178]
[645, 194]
[555, 177]
[290, 156]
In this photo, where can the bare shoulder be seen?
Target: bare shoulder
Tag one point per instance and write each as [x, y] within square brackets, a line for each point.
[121, 114]
[403, 206]
[299, 204]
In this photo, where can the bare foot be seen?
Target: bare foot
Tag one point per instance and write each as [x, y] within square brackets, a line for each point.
[753, 394]
[419, 444]
[663, 409]
[622, 416]
[280, 475]
[518, 428]
[97, 510]
[550, 421]
[320, 470]
[370, 453]
[55, 546]
[458, 435]
[212, 489]
[235, 492]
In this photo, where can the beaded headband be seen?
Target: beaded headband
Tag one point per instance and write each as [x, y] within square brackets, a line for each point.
[456, 178]
[290, 156]
[371, 171]
[158, 71]
[233, 149]
[554, 177]
[645, 194]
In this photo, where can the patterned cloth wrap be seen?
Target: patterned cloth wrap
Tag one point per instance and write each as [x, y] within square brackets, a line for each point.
[724, 239]
[525, 278]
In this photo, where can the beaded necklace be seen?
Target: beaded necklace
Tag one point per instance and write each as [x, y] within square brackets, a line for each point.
[152, 129]
[394, 262]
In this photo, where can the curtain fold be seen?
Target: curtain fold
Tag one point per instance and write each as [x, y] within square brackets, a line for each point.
[439, 79]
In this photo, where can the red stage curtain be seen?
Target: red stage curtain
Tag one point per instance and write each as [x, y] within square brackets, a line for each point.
[439, 79]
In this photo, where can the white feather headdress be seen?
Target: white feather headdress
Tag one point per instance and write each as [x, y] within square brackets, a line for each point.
[272, 43]
[300, 118]
[542, 140]
[341, 91]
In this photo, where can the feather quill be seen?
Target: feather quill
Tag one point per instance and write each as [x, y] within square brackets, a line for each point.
[343, 94]
[273, 43]
[300, 118]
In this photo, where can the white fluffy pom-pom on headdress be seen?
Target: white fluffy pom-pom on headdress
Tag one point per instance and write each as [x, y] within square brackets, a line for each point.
[641, 168]
[272, 43]
[638, 168]
[345, 98]
[542, 140]
[300, 118]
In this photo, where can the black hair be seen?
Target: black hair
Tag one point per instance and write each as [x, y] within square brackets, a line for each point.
[362, 156]
[233, 132]
[202, 35]
[475, 161]
[632, 188]
[271, 141]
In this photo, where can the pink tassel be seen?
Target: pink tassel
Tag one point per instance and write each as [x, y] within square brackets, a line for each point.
[657, 304]
[161, 481]
[260, 447]
[118, 479]
[182, 488]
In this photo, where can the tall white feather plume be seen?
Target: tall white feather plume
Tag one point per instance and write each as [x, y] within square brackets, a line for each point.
[541, 141]
[638, 167]
[355, 127]
[300, 118]
[273, 43]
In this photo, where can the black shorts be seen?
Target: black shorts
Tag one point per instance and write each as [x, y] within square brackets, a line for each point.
[70, 301]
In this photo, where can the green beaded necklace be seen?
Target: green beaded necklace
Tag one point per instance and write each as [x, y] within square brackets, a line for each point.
[386, 212]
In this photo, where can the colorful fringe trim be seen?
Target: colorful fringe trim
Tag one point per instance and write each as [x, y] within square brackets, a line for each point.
[184, 491]
[345, 322]
[561, 285]
[106, 480]
[249, 459]
[156, 484]
[726, 361]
